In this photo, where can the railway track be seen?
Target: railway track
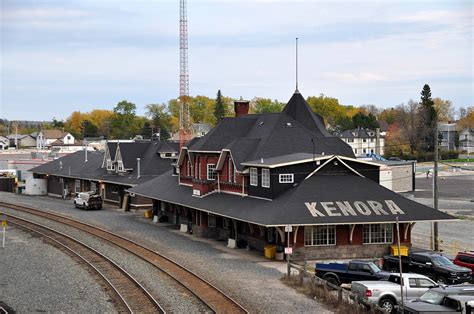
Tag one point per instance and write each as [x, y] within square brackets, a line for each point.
[210, 295]
[129, 291]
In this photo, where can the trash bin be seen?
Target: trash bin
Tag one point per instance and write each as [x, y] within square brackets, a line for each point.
[270, 250]
[148, 213]
[403, 250]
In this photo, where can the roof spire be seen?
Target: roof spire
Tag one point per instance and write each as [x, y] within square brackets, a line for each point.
[297, 91]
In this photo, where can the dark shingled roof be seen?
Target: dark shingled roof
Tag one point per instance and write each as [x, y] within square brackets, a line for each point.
[251, 137]
[74, 165]
[358, 133]
[290, 207]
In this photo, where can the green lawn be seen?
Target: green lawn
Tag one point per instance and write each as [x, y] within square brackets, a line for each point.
[459, 160]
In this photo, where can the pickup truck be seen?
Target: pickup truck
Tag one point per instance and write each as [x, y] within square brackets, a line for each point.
[431, 264]
[88, 200]
[386, 293]
[339, 273]
[450, 304]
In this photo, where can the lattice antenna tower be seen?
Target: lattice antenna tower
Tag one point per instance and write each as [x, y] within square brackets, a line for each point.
[183, 73]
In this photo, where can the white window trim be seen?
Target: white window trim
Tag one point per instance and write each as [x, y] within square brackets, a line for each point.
[120, 166]
[327, 238]
[209, 165]
[109, 164]
[290, 180]
[265, 175]
[370, 235]
[231, 169]
[253, 176]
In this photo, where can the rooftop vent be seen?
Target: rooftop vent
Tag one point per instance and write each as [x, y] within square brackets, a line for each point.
[288, 124]
[261, 123]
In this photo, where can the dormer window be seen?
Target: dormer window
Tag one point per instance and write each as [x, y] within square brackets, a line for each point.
[120, 166]
[109, 165]
[211, 172]
[254, 176]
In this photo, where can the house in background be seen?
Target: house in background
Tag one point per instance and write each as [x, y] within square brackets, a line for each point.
[45, 138]
[4, 142]
[21, 140]
[200, 129]
[364, 142]
[466, 140]
[448, 132]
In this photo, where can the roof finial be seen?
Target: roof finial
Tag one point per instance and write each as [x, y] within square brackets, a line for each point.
[296, 91]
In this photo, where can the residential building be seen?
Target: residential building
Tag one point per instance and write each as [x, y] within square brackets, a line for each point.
[466, 140]
[21, 140]
[364, 142]
[282, 178]
[4, 142]
[45, 138]
[448, 133]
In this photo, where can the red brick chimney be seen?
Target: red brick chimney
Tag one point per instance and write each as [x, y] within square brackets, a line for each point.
[241, 107]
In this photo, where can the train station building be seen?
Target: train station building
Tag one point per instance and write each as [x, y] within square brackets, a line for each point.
[110, 173]
[254, 175]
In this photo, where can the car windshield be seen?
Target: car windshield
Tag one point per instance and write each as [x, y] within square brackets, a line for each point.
[432, 297]
[441, 260]
[374, 268]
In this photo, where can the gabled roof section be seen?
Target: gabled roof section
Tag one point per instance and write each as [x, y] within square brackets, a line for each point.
[54, 134]
[325, 198]
[167, 147]
[129, 152]
[252, 137]
[298, 109]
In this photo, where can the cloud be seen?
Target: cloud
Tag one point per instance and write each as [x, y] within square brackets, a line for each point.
[363, 77]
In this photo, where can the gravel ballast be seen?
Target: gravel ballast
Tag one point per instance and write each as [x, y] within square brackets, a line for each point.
[37, 277]
[239, 273]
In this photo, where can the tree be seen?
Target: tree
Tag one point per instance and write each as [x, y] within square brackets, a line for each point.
[360, 120]
[74, 123]
[160, 118]
[124, 122]
[342, 124]
[444, 108]
[407, 120]
[219, 110]
[389, 115]
[89, 129]
[57, 124]
[427, 119]
[266, 105]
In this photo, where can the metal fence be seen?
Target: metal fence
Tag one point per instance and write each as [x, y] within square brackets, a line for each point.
[331, 294]
[425, 241]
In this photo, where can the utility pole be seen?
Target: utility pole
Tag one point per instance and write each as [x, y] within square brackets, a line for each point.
[435, 186]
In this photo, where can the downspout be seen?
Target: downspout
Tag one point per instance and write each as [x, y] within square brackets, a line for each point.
[243, 186]
[138, 168]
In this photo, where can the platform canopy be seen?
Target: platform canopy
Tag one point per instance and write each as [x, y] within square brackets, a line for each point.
[321, 199]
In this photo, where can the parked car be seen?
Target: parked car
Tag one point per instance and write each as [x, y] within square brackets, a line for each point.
[465, 259]
[450, 304]
[436, 295]
[338, 273]
[88, 200]
[386, 293]
[431, 264]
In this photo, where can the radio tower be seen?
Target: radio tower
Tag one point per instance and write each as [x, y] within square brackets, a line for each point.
[183, 75]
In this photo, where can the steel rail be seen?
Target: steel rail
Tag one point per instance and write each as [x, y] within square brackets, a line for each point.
[121, 282]
[210, 295]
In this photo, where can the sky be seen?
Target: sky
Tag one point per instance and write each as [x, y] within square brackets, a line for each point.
[63, 56]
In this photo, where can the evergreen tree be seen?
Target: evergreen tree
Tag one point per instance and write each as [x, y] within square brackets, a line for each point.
[428, 118]
[219, 111]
